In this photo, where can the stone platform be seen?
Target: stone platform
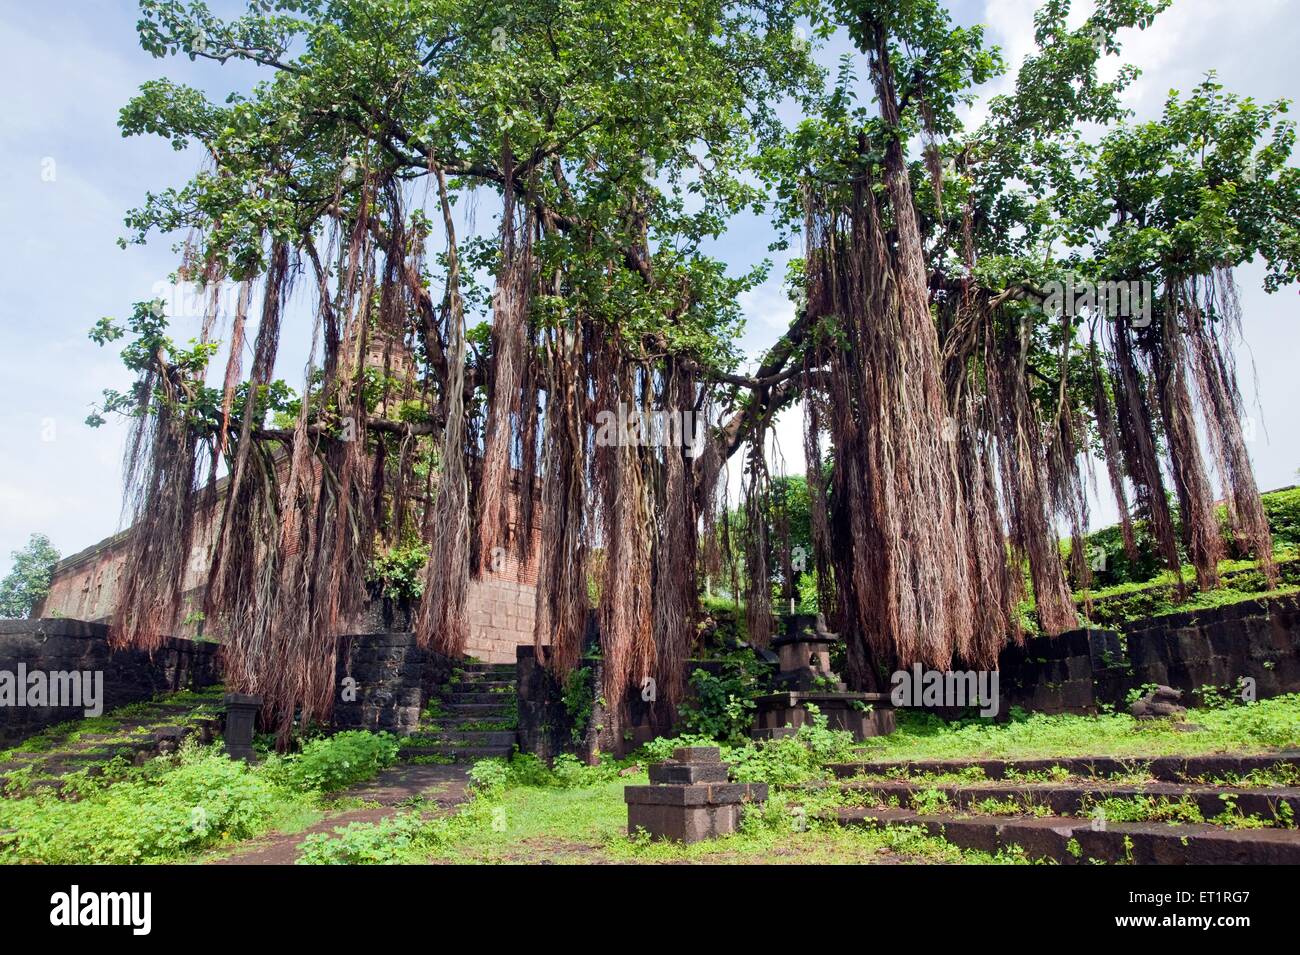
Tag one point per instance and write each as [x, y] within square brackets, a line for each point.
[689, 798]
[843, 711]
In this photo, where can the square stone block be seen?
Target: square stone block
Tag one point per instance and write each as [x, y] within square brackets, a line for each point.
[697, 754]
[700, 794]
[674, 772]
[677, 824]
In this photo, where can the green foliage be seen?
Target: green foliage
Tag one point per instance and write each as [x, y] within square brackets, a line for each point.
[491, 777]
[372, 843]
[1182, 811]
[29, 580]
[579, 699]
[721, 706]
[1125, 591]
[1213, 697]
[1264, 726]
[331, 763]
[1283, 510]
[168, 813]
[793, 759]
[400, 571]
[800, 758]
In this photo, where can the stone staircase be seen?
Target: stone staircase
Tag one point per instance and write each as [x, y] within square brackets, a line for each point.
[131, 735]
[1196, 810]
[473, 717]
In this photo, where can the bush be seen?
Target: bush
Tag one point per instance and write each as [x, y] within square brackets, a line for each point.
[1115, 567]
[794, 759]
[335, 762]
[400, 572]
[579, 701]
[490, 777]
[1283, 510]
[386, 842]
[176, 810]
[721, 707]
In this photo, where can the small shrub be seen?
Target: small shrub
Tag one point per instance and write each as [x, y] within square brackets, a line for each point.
[489, 776]
[579, 700]
[335, 762]
[721, 706]
[399, 573]
[169, 811]
[386, 842]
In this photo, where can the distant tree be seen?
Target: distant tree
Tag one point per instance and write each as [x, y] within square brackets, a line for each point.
[29, 581]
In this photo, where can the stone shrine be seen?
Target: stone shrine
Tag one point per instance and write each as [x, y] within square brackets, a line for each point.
[690, 797]
[805, 677]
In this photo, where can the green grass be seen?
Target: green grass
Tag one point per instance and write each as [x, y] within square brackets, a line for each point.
[1241, 580]
[176, 807]
[588, 824]
[1265, 726]
[112, 724]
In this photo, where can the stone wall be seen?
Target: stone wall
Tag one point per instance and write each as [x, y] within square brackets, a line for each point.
[384, 681]
[1076, 672]
[500, 615]
[545, 727]
[500, 604]
[129, 676]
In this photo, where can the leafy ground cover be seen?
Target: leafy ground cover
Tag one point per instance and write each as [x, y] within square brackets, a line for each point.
[523, 813]
[1263, 726]
[174, 807]
[199, 704]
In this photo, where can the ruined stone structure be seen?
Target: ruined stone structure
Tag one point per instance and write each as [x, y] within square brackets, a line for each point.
[690, 798]
[500, 605]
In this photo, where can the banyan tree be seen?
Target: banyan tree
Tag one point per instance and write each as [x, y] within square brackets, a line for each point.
[950, 411]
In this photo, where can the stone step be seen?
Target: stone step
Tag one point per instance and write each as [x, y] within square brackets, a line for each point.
[481, 686]
[1079, 799]
[458, 697]
[471, 737]
[503, 671]
[466, 723]
[1070, 840]
[1164, 768]
[467, 712]
[493, 706]
[461, 754]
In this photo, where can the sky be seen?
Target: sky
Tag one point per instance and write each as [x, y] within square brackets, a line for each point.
[67, 177]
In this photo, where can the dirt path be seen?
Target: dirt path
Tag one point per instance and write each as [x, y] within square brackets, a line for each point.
[442, 785]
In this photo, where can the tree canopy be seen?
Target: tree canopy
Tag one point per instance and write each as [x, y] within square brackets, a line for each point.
[954, 379]
[28, 581]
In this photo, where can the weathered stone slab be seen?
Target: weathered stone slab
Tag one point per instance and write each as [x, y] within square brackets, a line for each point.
[686, 773]
[689, 798]
[701, 794]
[1164, 768]
[1073, 841]
[675, 824]
[697, 754]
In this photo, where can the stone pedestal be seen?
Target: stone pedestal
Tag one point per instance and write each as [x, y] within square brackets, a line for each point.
[241, 716]
[862, 714]
[806, 677]
[689, 798]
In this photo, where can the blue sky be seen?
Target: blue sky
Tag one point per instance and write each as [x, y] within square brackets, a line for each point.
[67, 177]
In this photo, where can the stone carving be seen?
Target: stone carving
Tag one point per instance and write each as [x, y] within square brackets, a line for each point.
[1162, 701]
